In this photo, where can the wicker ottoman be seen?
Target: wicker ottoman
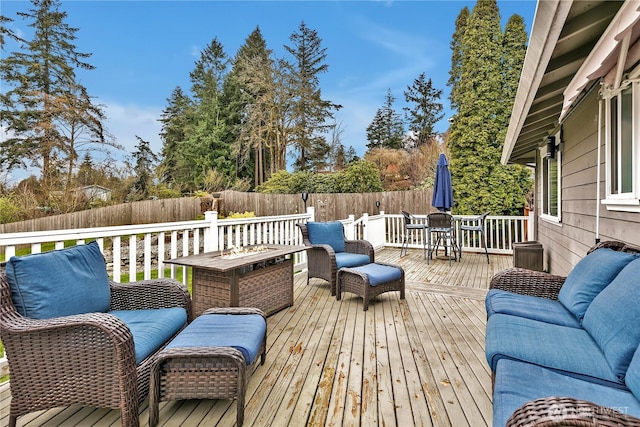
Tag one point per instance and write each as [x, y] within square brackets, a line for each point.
[211, 358]
[370, 280]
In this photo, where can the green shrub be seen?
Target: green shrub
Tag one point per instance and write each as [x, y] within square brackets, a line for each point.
[246, 214]
[9, 210]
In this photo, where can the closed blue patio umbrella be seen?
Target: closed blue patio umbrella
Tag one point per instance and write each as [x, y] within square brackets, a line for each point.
[442, 187]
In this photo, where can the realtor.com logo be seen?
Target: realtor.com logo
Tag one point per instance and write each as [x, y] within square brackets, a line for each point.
[564, 412]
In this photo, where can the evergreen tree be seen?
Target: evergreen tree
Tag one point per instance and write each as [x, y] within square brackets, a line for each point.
[43, 96]
[177, 122]
[386, 130]
[480, 182]
[514, 51]
[143, 168]
[206, 145]
[253, 76]
[310, 112]
[85, 174]
[426, 112]
[457, 57]
[517, 177]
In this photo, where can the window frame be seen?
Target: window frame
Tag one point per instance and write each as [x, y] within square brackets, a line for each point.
[618, 200]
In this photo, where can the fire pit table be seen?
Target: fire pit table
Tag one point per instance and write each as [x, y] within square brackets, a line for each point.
[258, 276]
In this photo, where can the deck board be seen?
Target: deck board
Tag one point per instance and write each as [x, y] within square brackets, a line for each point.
[413, 362]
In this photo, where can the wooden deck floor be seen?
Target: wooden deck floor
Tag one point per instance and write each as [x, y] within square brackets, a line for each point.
[413, 362]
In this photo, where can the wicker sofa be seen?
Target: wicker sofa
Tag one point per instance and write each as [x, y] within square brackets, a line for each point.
[566, 350]
[73, 337]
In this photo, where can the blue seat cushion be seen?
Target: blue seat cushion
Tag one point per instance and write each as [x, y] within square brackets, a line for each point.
[379, 274]
[348, 259]
[59, 283]
[590, 276]
[571, 350]
[542, 309]
[613, 318]
[244, 332]
[327, 233]
[151, 328]
[517, 383]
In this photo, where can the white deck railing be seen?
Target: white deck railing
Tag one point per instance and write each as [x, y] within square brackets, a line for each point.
[501, 232]
[133, 249]
[143, 249]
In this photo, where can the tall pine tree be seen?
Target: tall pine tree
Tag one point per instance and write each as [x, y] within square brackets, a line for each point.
[386, 130]
[143, 168]
[311, 112]
[175, 169]
[253, 79]
[43, 98]
[426, 110]
[207, 145]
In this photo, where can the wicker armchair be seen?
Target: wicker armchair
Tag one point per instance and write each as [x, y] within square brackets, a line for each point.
[321, 258]
[84, 359]
[541, 284]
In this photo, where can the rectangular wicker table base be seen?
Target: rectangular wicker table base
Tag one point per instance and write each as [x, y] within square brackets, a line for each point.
[262, 280]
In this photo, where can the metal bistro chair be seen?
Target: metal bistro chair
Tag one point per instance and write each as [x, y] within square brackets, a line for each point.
[413, 223]
[475, 225]
[442, 225]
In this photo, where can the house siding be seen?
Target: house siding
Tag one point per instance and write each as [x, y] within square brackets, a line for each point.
[566, 243]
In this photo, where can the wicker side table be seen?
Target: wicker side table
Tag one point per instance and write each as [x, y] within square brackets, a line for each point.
[204, 371]
[370, 280]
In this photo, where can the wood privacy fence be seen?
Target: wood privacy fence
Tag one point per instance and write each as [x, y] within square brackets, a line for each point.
[328, 207]
[144, 212]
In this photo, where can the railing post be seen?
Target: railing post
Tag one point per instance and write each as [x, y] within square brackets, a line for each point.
[350, 229]
[211, 232]
[530, 226]
[312, 211]
[365, 226]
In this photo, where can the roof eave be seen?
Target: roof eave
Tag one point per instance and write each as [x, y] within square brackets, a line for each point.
[548, 22]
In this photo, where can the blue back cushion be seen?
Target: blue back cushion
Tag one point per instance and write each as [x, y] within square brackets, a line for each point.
[59, 283]
[590, 276]
[613, 318]
[327, 233]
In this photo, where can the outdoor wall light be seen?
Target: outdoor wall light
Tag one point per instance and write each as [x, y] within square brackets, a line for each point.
[378, 205]
[551, 147]
[305, 197]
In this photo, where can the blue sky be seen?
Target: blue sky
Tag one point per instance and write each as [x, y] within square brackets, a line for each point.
[142, 50]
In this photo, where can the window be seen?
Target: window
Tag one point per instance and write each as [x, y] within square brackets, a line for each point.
[550, 180]
[622, 132]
